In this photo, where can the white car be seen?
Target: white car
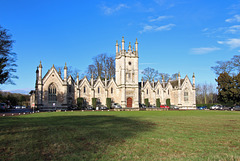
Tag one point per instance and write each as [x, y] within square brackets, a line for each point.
[116, 105]
[216, 107]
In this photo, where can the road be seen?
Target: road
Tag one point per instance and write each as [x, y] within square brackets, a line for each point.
[14, 112]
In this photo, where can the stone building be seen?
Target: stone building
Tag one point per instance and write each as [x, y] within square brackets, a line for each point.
[51, 91]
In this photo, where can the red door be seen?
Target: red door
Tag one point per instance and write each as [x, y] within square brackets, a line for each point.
[129, 102]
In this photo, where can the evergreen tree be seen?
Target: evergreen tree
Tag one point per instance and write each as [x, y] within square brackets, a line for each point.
[226, 89]
[237, 89]
[7, 58]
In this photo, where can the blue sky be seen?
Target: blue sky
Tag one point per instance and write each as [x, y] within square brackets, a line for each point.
[183, 36]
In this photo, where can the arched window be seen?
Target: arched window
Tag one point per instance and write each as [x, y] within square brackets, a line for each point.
[186, 96]
[52, 97]
[147, 91]
[98, 90]
[158, 91]
[112, 90]
[84, 89]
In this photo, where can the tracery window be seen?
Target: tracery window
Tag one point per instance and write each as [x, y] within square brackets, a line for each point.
[52, 97]
[185, 96]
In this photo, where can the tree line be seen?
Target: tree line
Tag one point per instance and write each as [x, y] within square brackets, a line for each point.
[13, 99]
[228, 81]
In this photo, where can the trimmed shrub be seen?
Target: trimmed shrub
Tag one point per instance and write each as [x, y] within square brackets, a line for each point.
[80, 102]
[108, 100]
[94, 103]
[158, 103]
[146, 102]
[168, 102]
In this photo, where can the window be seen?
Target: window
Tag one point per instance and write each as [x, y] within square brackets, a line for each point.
[147, 91]
[158, 91]
[168, 92]
[52, 97]
[69, 89]
[84, 89]
[185, 96]
[98, 90]
[112, 90]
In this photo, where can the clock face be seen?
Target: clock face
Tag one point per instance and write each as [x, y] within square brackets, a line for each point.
[129, 63]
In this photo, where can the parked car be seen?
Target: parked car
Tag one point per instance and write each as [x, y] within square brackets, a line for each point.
[236, 108]
[102, 107]
[142, 105]
[227, 108]
[202, 107]
[116, 105]
[3, 106]
[174, 107]
[18, 107]
[151, 106]
[164, 106]
[89, 107]
[216, 107]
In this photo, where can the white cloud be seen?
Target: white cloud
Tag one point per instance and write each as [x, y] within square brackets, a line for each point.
[111, 10]
[165, 27]
[203, 50]
[233, 29]
[159, 18]
[205, 29]
[235, 18]
[233, 43]
[147, 28]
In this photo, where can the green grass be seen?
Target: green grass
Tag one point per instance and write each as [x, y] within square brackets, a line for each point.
[143, 135]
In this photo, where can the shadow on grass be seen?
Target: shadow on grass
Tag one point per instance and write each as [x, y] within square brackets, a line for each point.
[66, 137]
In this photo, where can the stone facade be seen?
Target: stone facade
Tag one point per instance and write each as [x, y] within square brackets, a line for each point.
[51, 91]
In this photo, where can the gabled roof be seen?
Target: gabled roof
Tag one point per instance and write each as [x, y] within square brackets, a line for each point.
[174, 83]
[51, 71]
[84, 80]
[98, 81]
[112, 81]
[185, 79]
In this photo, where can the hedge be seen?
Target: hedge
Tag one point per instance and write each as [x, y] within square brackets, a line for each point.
[94, 102]
[108, 100]
[168, 102]
[158, 103]
[146, 102]
[80, 101]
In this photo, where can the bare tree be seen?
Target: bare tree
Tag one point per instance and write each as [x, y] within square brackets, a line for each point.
[149, 74]
[164, 76]
[70, 71]
[102, 66]
[174, 76]
[206, 93]
[236, 62]
[223, 66]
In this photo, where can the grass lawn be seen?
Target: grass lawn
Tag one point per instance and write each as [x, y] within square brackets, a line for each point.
[142, 135]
